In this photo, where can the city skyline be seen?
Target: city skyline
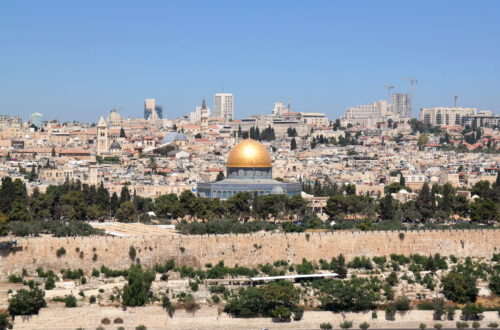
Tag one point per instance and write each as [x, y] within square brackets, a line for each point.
[76, 62]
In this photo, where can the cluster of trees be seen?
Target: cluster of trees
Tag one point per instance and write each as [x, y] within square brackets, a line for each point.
[241, 206]
[267, 134]
[436, 203]
[292, 132]
[278, 300]
[342, 141]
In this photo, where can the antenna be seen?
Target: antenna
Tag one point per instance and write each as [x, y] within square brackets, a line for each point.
[389, 87]
[412, 81]
[456, 98]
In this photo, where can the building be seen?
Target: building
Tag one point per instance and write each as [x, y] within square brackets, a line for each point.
[279, 109]
[401, 105]
[36, 120]
[483, 118]
[102, 137]
[152, 110]
[224, 106]
[315, 119]
[199, 113]
[367, 115]
[249, 169]
[445, 116]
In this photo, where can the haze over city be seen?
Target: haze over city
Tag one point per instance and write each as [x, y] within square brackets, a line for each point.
[75, 61]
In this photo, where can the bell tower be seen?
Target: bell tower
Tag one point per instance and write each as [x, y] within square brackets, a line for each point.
[102, 137]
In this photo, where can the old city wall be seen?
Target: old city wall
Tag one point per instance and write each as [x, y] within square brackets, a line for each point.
[247, 250]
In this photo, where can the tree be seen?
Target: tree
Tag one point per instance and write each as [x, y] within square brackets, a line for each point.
[135, 292]
[220, 176]
[293, 144]
[114, 203]
[483, 210]
[126, 212]
[124, 195]
[341, 268]
[460, 288]
[122, 133]
[365, 325]
[26, 302]
[387, 208]
[424, 202]
[472, 312]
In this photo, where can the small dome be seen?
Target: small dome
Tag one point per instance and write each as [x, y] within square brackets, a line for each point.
[173, 137]
[249, 153]
[277, 190]
[115, 145]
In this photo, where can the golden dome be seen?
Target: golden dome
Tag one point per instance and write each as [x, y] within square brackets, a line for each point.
[249, 153]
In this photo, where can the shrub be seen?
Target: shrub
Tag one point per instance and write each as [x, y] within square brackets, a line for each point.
[15, 278]
[364, 326]
[402, 303]
[438, 309]
[118, 321]
[95, 273]
[105, 321]
[459, 287]
[346, 325]
[50, 283]
[60, 252]
[141, 327]
[462, 325]
[92, 299]
[492, 325]
[190, 303]
[450, 313]
[70, 301]
[392, 279]
[325, 326]
[422, 326]
[194, 286]
[476, 325]
[83, 280]
[472, 312]
[298, 313]
[132, 252]
[164, 277]
[94, 257]
[438, 326]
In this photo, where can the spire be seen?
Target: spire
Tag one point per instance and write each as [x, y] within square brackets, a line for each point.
[203, 104]
[102, 122]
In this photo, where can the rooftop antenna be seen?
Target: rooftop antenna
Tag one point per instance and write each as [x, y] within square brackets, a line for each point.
[456, 98]
[412, 81]
[288, 106]
[389, 87]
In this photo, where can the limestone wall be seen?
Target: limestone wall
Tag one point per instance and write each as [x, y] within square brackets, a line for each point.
[247, 250]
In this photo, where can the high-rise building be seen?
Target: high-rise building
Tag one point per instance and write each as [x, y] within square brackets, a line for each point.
[224, 106]
[445, 116]
[36, 119]
[152, 110]
[401, 104]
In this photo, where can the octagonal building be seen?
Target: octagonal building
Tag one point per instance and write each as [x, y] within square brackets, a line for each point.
[249, 168]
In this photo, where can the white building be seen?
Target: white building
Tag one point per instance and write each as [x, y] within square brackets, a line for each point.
[368, 115]
[279, 109]
[445, 116]
[199, 113]
[224, 106]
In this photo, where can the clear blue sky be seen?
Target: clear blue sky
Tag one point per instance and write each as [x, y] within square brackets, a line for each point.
[74, 60]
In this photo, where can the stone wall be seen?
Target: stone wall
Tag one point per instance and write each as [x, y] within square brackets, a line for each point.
[248, 250]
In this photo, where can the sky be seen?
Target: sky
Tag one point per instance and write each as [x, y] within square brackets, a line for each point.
[75, 60]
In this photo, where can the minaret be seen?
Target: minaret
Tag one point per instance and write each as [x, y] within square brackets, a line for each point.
[204, 116]
[102, 136]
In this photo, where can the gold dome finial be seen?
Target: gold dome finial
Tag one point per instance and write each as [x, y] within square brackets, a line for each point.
[249, 153]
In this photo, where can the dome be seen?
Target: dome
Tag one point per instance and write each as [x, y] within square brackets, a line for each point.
[172, 137]
[115, 145]
[249, 153]
[277, 190]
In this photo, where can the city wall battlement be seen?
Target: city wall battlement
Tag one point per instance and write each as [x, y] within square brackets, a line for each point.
[242, 249]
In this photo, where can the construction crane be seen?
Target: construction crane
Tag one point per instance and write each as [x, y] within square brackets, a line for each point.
[456, 98]
[412, 81]
[115, 109]
[389, 87]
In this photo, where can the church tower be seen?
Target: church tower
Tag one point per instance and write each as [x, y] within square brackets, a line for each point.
[102, 136]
